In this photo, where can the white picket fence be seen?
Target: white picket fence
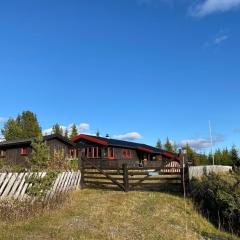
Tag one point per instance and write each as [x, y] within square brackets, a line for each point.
[14, 185]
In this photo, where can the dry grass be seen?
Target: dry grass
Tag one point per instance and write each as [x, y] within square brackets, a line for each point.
[96, 214]
[12, 210]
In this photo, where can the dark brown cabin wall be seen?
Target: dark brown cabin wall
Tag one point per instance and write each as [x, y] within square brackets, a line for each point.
[118, 151]
[57, 145]
[119, 154]
[13, 155]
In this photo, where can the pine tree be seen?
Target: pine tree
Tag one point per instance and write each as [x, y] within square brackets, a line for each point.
[29, 124]
[226, 158]
[235, 157]
[40, 154]
[159, 144]
[11, 130]
[210, 158]
[24, 126]
[200, 159]
[74, 131]
[168, 146]
[175, 147]
[57, 129]
[66, 133]
[191, 154]
[218, 157]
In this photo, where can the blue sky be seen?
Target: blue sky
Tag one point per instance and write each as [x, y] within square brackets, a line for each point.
[154, 68]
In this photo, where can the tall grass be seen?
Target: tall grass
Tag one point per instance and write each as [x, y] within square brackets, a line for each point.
[15, 210]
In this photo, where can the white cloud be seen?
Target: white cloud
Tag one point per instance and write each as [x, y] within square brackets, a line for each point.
[196, 143]
[201, 8]
[83, 127]
[130, 136]
[3, 120]
[201, 143]
[220, 39]
[207, 7]
[47, 131]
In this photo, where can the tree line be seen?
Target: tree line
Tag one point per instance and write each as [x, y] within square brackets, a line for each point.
[226, 156]
[26, 125]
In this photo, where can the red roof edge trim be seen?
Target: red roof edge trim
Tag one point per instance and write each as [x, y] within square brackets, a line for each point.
[171, 155]
[88, 138]
[145, 149]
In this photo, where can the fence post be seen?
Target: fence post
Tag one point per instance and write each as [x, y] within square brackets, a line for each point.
[184, 172]
[187, 181]
[125, 177]
[80, 156]
[82, 169]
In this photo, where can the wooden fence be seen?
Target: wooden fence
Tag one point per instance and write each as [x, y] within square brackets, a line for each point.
[153, 176]
[15, 185]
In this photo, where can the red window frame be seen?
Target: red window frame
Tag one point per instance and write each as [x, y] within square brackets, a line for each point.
[111, 156]
[73, 153]
[110, 153]
[126, 153]
[93, 151]
[24, 151]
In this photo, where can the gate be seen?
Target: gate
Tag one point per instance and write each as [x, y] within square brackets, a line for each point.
[116, 175]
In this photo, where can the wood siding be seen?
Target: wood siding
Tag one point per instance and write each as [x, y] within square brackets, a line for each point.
[13, 154]
[56, 145]
[135, 155]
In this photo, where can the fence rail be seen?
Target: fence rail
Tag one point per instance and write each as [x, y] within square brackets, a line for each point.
[15, 185]
[156, 175]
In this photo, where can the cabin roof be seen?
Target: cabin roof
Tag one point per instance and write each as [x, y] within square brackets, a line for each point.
[124, 144]
[28, 141]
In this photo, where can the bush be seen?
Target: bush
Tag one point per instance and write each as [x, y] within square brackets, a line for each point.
[218, 197]
[40, 185]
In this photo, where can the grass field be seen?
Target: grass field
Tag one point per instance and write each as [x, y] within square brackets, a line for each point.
[97, 214]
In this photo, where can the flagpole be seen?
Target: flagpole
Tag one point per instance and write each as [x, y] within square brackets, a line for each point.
[210, 130]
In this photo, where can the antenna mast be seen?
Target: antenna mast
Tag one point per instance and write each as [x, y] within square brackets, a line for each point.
[210, 130]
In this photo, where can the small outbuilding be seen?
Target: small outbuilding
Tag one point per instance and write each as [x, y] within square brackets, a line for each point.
[17, 151]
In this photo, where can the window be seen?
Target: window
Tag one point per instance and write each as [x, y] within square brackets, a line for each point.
[126, 153]
[99, 152]
[89, 152]
[105, 154]
[73, 153]
[2, 153]
[24, 151]
[109, 153]
[93, 152]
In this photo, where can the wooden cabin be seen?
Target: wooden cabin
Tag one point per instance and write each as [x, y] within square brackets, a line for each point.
[95, 147]
[18, 151]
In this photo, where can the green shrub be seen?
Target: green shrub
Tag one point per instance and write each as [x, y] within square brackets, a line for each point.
[218, 196]
[40, 185]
